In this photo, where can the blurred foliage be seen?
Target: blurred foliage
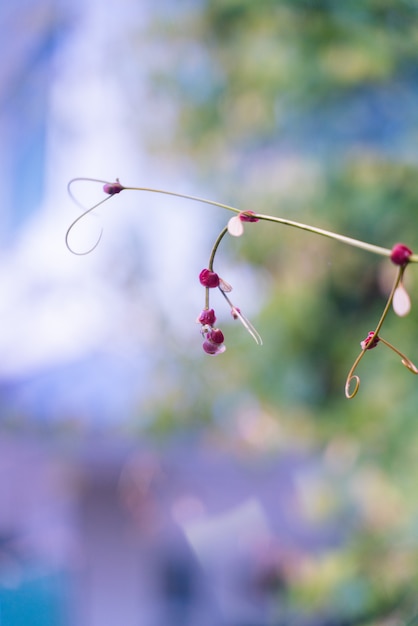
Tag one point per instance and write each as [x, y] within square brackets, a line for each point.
[245, 74]
[306, 109]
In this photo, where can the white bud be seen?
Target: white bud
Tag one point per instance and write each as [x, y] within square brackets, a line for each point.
[235, 226]
[224, 286]
[401, 302]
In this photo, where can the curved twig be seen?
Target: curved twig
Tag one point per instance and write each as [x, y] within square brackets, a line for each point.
[351, 376]
[85, 212]
[367, 346]
[404, 359]
[67, 234]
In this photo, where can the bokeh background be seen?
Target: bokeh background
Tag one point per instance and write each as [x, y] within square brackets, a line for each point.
[143, 482]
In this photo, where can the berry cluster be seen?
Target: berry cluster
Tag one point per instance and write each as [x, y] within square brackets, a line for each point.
[213, 337]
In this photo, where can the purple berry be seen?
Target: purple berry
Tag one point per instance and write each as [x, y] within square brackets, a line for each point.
[112, 188]
[207, 316]
[400, 254]
[208, 278]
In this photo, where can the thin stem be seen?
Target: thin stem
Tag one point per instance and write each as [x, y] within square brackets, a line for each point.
[351, 376]
[405, 361]
[270, 218]
[212, 258]
[75, 222]
[186, 196]
[398, 279]
[216, 246]
[78, 180]
[281, 220]
[331, 235]
[244, 321]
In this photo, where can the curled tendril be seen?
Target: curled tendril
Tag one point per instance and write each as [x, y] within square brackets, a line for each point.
[404, 359]
[410, 366]
[349, 395]
[351, 376]
[85, 212]
[367, 346]
[374, 339]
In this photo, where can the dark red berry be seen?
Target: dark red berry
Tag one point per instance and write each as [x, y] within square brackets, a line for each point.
[215, 336]
[400, 254]
[370, 342]
[207, 316]
[210, 348]
[248, 216]
[208, 278]
[112, 188]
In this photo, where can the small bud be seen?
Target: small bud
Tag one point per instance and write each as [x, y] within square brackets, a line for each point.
[235, 312]
[207, 316]
[235, 226]
[212, 348]
[370, 342]
[215, 336]
[400, 254]
[248, 216]
[224, 286]
[208, 278]
[401, 302]
[112, 188]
